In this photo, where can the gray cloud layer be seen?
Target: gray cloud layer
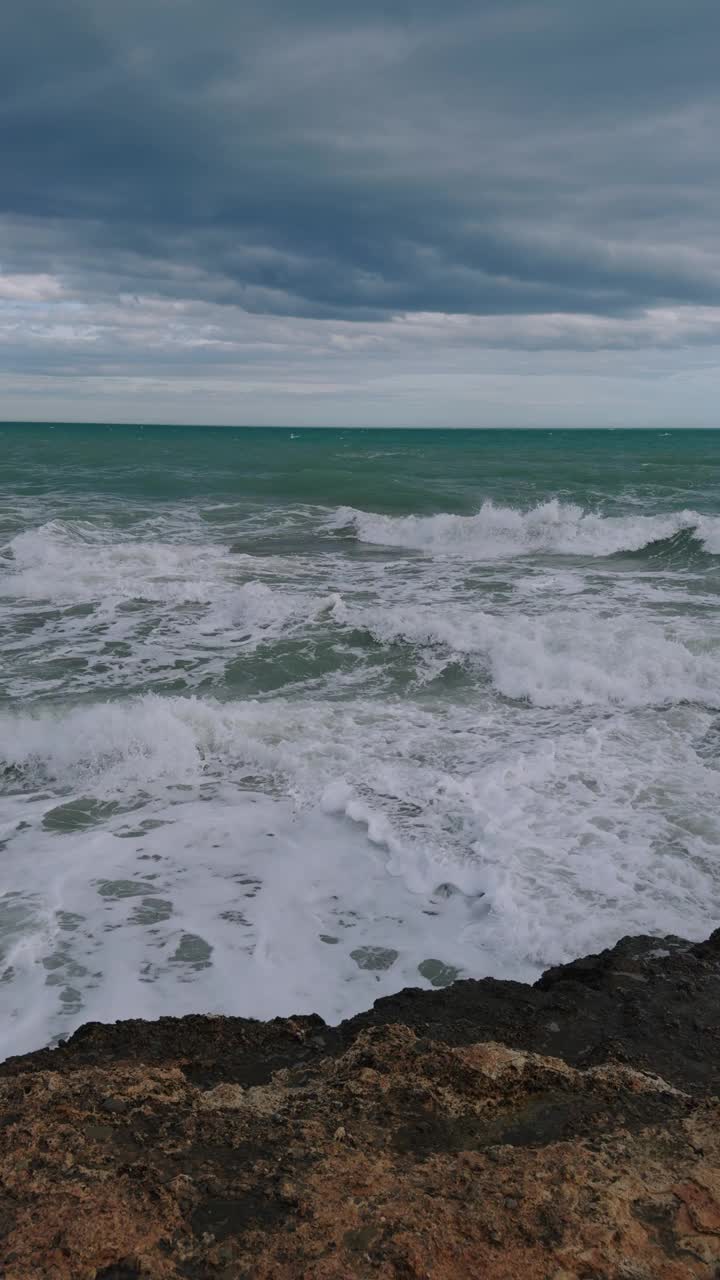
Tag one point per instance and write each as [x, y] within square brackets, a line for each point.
[508, 161]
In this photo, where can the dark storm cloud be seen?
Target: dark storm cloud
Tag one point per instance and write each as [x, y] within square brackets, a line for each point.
[328, 160]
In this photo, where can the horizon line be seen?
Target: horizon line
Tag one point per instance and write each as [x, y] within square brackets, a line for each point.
[283, 426]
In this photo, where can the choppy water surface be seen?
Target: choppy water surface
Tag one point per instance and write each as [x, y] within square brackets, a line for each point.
[291, 720]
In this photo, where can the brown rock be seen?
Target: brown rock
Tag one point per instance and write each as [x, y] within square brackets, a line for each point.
[407, 1143]
[473, 1160]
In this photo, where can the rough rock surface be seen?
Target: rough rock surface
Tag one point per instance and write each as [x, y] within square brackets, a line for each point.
[567, 1130]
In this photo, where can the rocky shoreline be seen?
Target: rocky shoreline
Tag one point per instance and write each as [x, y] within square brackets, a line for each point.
[490, 1129]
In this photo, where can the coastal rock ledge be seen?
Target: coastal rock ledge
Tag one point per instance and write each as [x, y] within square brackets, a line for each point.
[491, 1130]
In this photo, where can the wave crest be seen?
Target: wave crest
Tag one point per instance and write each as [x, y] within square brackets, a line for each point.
[501, 532]
[565, 659]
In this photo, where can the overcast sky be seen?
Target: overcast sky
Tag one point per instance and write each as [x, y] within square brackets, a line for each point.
[420, 212]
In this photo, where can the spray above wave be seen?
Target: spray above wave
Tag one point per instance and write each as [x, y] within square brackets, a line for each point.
[497, 532]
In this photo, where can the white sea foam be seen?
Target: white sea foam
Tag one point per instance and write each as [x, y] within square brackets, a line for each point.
[169, 854]
[497, 532]
[565, 658]
[541, 739]
[70, 563]
[161, 610]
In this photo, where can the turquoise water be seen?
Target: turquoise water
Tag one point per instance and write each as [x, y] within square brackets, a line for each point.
[399, 472]
[291, 719]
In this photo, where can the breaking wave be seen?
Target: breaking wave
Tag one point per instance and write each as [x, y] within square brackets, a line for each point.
[554, 527]
[564, 659]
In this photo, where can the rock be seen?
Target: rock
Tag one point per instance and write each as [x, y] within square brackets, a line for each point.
[115, 1105]
[436, 1136]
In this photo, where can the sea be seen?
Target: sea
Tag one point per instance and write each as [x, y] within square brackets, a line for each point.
[293, 719]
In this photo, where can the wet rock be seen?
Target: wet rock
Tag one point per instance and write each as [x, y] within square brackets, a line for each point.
[438, 1135]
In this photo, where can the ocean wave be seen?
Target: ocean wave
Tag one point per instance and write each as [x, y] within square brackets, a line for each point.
[433, 790]
[259, 832]
[68, 563]
[563, 659]
[497, 532]
[690, 547]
